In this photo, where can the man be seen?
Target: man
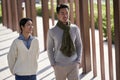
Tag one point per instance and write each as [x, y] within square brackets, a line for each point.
[64, 46]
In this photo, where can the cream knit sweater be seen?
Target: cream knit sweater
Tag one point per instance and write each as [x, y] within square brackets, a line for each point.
[23, 61]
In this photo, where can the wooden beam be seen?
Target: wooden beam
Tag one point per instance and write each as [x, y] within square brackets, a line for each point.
[84, 25]
[116, 4]
[9, 14]
[33, 16]
[31, 13]
[14, 15]
[77, 18]
[71, 11]
[45, 17]
[27, 8]
[62, 1]
[93, 37]
[111, 72]
[52, 12]
[4, 13]
[102, 61]
[19, 9]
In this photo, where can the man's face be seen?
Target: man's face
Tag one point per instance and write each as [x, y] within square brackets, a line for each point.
[63, 15]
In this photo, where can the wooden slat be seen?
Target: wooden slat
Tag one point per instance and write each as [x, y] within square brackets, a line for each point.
[14, 15]
[52, 12]
[84, 26]
[9, 14]
[93, 38]
[109, 40]
[33, 16]
[62, 1]
[4, 12]
[116, 4]
[19, 9]
[71, 11]
[31, 13]
[45, 20]
[77, 14]
[27, 7]
[101, 40]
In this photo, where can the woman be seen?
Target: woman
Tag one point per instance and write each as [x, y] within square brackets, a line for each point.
[24, 52]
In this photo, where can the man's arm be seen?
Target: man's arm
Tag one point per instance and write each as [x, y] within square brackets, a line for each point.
[50, 47]
[78, 44]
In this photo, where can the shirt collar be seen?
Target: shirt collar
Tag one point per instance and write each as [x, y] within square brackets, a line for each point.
[21, 37]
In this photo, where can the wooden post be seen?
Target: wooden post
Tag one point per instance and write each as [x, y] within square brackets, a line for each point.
[111, 72]
[62, 1]
[84, 25]
[14, 15]
[31, 13]
[102, 61]
[33, 16]
[4, 12]
[19, 9]
[9, 14]
[27, 7]
[93, 37]
[77, 13]
[71, 11]
[45, 20]
[116, 4]
[52, 12]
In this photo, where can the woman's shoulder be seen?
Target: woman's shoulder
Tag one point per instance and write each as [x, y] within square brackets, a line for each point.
[35, 38]
[16, 40]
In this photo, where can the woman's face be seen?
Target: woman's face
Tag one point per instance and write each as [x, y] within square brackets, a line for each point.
[28, 27]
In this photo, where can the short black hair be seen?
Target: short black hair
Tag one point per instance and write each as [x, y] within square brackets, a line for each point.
[23, 21]
[61, 6]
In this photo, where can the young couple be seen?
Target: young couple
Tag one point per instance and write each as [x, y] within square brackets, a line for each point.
[64, 48]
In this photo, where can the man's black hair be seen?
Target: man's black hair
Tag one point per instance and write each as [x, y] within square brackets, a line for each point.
[61, 6]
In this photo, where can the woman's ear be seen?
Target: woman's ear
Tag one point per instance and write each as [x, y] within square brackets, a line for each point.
[22, 27]
[57, 15]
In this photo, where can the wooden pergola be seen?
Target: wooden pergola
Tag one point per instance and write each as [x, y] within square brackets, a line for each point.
[12, 12]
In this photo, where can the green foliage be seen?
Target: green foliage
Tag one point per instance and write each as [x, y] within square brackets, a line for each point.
[104, 23]
[39, 11]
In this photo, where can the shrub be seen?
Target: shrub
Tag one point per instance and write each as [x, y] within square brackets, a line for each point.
[104, 24]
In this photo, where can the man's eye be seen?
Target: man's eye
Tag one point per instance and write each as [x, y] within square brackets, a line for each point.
[62, 14]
